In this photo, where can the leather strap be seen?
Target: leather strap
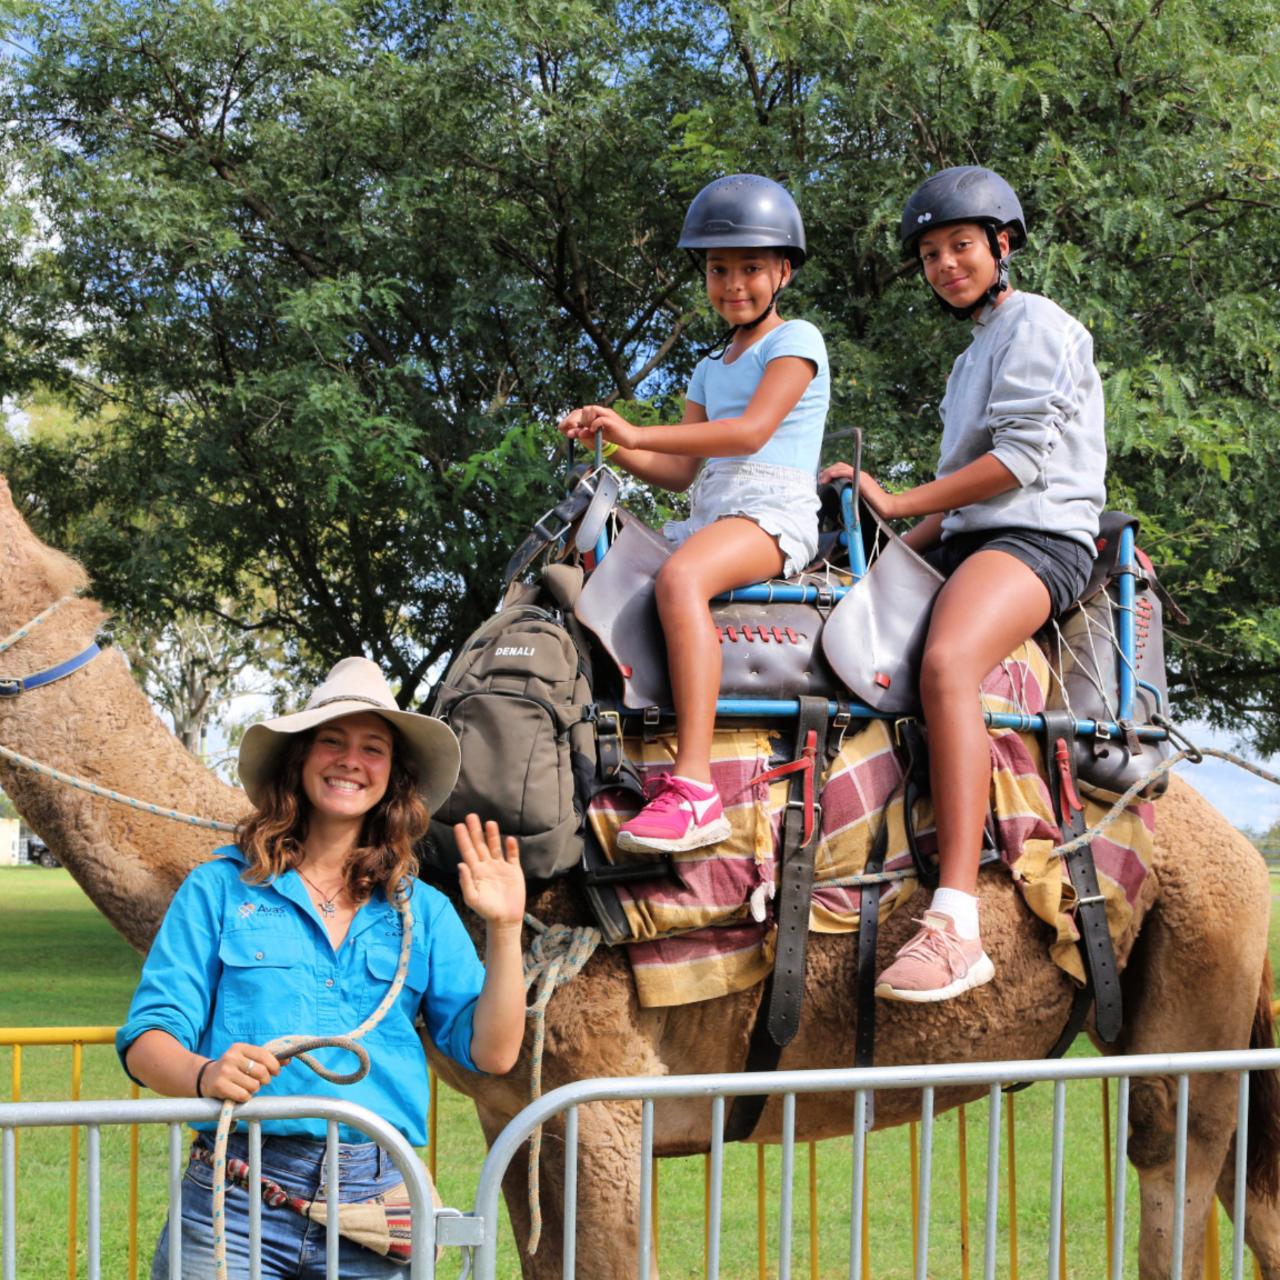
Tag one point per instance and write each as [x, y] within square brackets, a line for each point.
[551, 526]
[608, 487]
[915, 786]
[1091, 907]
[1081, 1002]
[801, 828]
[778, 1017]
[12, 686]
[911, 742]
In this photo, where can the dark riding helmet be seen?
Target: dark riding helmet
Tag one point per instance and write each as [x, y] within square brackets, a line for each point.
[967, 193]
[745, 211]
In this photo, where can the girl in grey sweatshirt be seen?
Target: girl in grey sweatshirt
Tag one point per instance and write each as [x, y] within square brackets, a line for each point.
[1010, 520]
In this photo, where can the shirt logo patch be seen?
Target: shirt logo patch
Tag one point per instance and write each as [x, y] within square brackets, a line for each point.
[247, 909]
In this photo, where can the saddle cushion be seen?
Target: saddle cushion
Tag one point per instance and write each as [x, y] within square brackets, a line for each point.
[768, 650]
[693, 937]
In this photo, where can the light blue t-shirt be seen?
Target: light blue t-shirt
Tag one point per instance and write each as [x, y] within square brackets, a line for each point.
[249, 962]
[724, 390]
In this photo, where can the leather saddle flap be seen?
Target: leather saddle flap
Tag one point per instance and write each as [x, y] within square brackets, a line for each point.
[875, 637]
[769, 650]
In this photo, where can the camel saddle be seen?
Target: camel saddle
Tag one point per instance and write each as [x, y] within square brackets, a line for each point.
[769, 650]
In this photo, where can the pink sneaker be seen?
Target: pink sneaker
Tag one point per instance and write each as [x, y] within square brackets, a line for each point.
[679, 816]
[936, 964]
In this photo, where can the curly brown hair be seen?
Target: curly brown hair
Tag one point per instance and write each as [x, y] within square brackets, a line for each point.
[271, 838]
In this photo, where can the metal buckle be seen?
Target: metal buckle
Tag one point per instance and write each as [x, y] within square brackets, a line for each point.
[651, 717]
[897, 728]
[840, 723]
[543, 532]
[817, 812]
[10, 687]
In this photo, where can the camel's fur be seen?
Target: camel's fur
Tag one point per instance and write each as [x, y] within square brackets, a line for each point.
[1195, 976]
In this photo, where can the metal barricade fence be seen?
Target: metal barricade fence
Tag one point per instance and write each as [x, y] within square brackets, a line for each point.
[861, 1083]
[479, 1230]
[77, 1039]
[175, 1112]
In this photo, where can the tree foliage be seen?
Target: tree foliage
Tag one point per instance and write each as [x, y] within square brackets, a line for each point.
[337, 267]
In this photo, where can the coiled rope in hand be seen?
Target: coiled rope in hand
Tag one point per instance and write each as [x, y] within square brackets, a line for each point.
[299, 1046]
[555, 957]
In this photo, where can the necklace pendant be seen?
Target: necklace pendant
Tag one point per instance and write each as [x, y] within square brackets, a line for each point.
[328, 909]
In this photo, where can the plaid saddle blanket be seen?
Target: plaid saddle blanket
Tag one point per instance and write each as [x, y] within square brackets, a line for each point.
[694, 936]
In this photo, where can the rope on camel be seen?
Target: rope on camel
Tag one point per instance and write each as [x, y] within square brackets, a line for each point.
[80, 784]
[555, 957]
[299, 1046]
[1189, 752]
[14, 636]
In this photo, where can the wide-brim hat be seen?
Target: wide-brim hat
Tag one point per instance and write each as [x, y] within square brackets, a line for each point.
[355, 685]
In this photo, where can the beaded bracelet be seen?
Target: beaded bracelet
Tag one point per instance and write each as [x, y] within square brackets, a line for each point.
[208, 1062]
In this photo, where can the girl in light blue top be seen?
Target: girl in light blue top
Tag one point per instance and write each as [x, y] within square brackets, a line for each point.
[754, 413]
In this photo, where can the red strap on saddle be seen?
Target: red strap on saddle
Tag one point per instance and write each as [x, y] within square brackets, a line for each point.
[1061, 754]
[808, 760]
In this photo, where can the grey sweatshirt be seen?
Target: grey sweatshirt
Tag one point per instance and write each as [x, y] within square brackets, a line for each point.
[1026, 390]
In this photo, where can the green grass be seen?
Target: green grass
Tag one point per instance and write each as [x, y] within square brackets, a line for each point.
[61, 964]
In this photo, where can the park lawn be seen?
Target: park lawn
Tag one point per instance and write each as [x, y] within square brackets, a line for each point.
[61, 964]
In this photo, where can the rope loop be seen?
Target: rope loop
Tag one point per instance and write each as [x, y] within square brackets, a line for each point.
[555, 957]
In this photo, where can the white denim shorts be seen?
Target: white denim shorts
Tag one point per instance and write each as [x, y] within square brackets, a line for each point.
[781, 500]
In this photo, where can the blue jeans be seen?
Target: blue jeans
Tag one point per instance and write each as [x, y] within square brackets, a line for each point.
[292, 1246]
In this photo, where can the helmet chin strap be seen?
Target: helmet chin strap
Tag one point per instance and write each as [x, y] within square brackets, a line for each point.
[714, 354]
[997, 287]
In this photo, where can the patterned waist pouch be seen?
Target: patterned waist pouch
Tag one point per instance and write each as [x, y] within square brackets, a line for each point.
[383, 1224]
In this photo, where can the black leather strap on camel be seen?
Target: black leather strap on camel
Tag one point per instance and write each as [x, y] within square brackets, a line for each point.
[914, 761]
[778, 1018]
[552, 525]
[913, 756]
[1091, 907]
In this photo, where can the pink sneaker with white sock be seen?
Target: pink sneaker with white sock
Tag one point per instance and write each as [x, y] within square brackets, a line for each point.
[681, 815]
[936, 964]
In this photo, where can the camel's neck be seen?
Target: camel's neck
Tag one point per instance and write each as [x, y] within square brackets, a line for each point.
[98, 725]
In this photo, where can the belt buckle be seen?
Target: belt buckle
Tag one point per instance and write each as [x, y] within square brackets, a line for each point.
[840, 723]
[10, 686]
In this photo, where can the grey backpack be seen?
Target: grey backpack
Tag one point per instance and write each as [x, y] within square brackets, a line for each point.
[518, 696]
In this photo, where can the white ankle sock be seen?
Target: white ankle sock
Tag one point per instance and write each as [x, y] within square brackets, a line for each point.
[704, 788]
[961, 907]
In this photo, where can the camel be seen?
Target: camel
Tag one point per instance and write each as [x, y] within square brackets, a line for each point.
[1200, 932]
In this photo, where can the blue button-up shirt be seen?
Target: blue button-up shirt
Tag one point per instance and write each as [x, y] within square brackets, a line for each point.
[246, 962]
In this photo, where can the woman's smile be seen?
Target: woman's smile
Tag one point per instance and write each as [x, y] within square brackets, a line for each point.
[348, 767]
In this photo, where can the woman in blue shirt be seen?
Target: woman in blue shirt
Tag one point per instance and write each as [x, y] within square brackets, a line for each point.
[298, 928]
[755, 414]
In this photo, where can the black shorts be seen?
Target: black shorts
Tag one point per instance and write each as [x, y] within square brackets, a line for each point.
[1061, 563]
